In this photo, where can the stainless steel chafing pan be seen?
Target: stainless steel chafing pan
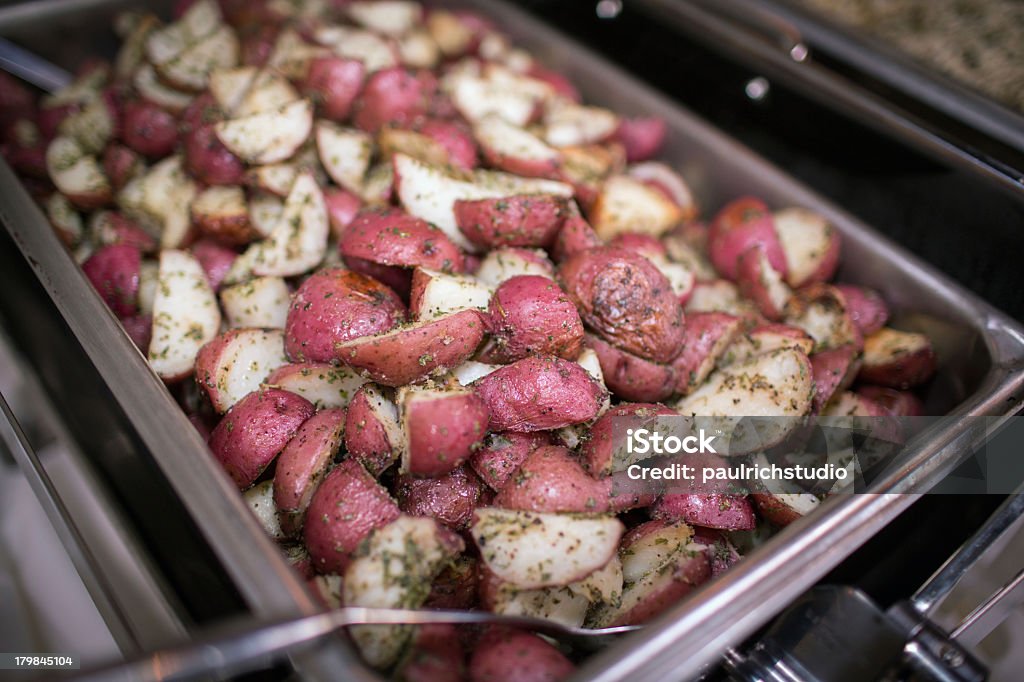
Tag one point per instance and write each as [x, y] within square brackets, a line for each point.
[981, 353]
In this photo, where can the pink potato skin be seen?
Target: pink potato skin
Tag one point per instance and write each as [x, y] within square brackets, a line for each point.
[721, 553]
[394, 96]
[597, 453]
[333, 306]
[711, 510]
[576, 235]
[120, 164]
[562, 85]
[539, 394]
[753, 278]
[139, 329]
[521, 220]
[342, 208]
[504, 655]
[455, 139]
[625, 299]
[631, 377]
[345, 508]
[707, 337]
[642, 138]
[366, 439]
[531, 315]
[148, 129]
[449, 498]
[124, 230]
[773, 510]
[396, 278]
[456, 586]
[552, 480]
[216, 260]
[866, 307]
[114, 272]
[895, 402]
[646, 245]
[687, 575]
[302, 465]
[833, 371]
[436, 655]
[255, 430]
[503, 453]
[334, 83]
[413, 352]
[902, 370]
[392, 237]
[206, 157]
[741, 224]
[443, 430]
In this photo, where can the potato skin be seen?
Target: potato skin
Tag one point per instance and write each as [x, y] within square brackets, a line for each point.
[642, 137]
[833, 371]
[333, 306]
[394, 96]
[575, 235]
[721, 552]
[552, 480]
[897, 359]
[449, 498]
[114, 272]
[148, 129]
[206, 157]
[522, 220]
[455, 139]
[631, 377]
[345, 508]
[443, 428]
[255, 430]
[711, 510]
[334, 83]
[539, 394]
[215, 259]
[741, 224]
[410, 353]
[303, 463]
[626, 300]
[865, 306]
[895, 402]
[531, 315]
[456, 586]
[435, 655]
[503, 453]
[342, 208]
[504, 655]
[597, 453]
[366, 438]
[390, 236]
[120, 164]
[708, 335]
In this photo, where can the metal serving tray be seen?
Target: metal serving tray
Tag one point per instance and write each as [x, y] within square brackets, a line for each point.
[981, 355]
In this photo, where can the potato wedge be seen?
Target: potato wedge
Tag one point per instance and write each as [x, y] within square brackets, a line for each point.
[268, 136]
[324, 385]
[235, 364]
[260, 302]
[298, 242]
[185, 315]
[441, 428]
[302, 465]
[345, 154]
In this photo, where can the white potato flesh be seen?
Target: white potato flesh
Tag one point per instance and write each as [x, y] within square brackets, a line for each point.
[805, 237]
[449, 32]
[558, 604]
[418, 50]
[826, 322]
[444, 294]
[191, 68]
[228, 86]
[149, 278]
[149, 86]
[667, 179]
[166, 43]
[274, 178]
[220, 203]
[81, 89]
[268, 91]
[654, 551]
[265, 212]
[261, 302]
[718, 296]
[888, 346]
[626, 204]
[269, 136]
[163, 198]
[567, 124]
[502, 264]
[242, 363]
[389, 17]
[477, 98]
[374, 51]
[73, 171]
[323, 385]
[471, 370]
[533, 550]
[504, 139]
[260, 499]
[291, 55]
[64, 217]
[345, 154]
[185, 315]
[299, 241]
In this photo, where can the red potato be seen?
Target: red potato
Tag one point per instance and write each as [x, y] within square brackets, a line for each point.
[270, 135]
[539, 394]
[670, 183]
[782, 509]
[394, 96]
[392, 237]
[346, 507]
[765, 338]
[897, 359]
[412, 352]
[759, 282]
[722, 554]
[531, 315]
[209, 160]
[626, 204]
[810, 243]
[894, 402]
[711, 510]
[436, 293]
[140, 329]
[631, 377]
[550, 479]
[642, 137]
[502, 454]
[575, 235]
[449, 498]
[64, 219]
[345, 154]
[435, 655]
[865, 306]
[625, 299]
[255, 430]
[834, 370]
[373, 432]
[77, 174]
[599, 453]
[559, 83]
[114, 272]
[111, 227]
[397, 279]
[302, 465]
[741, 224]
[515, 656]
[324, 385]
[221, 213]
[819, 309]
[500, 265]
[235, 363]
[185, 315]
[148, 129]
[391, 141]
[513, 149]
[847, 404]
[442, 427]
[454, 139]
[259, 302]
[456, 586]
[646, 245]
[334, 83]
[121, 164]
[708, 337]
[333, 306]
[524, 220]
[342, 208]
[216, 261]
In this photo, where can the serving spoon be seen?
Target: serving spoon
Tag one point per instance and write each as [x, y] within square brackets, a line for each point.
[244, 647]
